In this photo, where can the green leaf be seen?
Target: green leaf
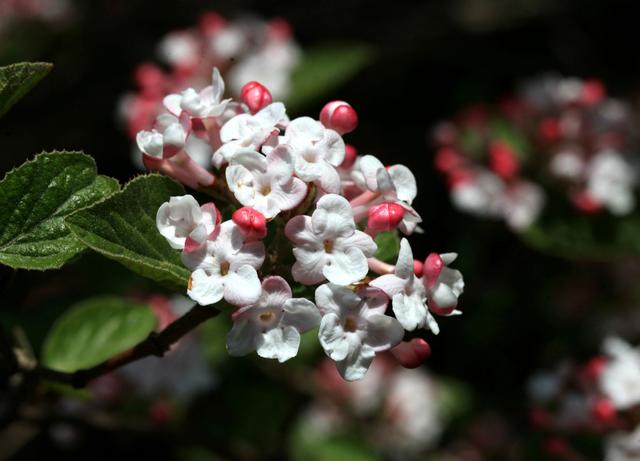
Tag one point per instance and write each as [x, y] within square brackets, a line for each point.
[95, 330]
[308, 445]
[17, 79]
[123, 228]
[571, 235]
[323, 69]
[34, 200]
[388, 246]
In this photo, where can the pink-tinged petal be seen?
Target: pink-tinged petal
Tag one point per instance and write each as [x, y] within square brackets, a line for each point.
[332, 145]
[308, 266]
[358, 240]
[301, 314]
[288, 195]
[242, 287]
[240, 183]
[151, 143]
[333, 217]
[376, 299]
[280, 162]
[303, 132]
[404, 265]
[329, 178]
[383, 332]
[243, 338]
[204, 289]
[250, 159]
[332, 337]
[391, 284]
[251, 253]
[410, 312]
[172, 104]
[369, 166]
[271, 115]
[404, 182]
[334, 299]
[279, 343]
[217, 85]
[210, 216]
[346, 268]
[239, 127]
[275, 292]
[300, 231]
[356, 364]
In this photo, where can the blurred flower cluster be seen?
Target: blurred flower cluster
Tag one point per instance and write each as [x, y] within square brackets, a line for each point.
[295, 185]
[50, 11]
[556, 136]
[243, 50]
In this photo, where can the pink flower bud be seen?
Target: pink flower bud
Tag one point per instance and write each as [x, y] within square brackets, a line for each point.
[413, 353]
[339, 116]
[418, 268]
[255, 96]
[586, 203]
[432, 267]
[603, 411]
[384, 217]
[350, 155]
[503, 160]
[594, 367]
[460, 177]
[593, 92]
[279, 29]
[549, 129]
[149, 78]
[447, 159]
[252, 223]
[211, 23]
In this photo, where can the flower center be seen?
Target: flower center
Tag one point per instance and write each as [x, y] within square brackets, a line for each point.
[224, 268]
[350, 324]
[265, 189]
[328, 246]
[266, 317]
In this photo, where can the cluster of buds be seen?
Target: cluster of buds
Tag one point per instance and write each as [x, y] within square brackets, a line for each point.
[599, 397]
[296, 185]
[51, 11]
[243, 50]
[563, 133]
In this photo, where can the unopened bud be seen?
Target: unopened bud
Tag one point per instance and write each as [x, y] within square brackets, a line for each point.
[586, 203]
[503, 160]
[447, 159]
[603, 411]
[549, 129]
[593, 92]
[385, 217]
[432, 267]
[149, 78]
[339, 116]
[418, 268]
[255, 96]
[350, 155]
[413, 353]
[252, 223]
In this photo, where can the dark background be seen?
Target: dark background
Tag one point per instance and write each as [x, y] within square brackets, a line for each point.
[523, 310]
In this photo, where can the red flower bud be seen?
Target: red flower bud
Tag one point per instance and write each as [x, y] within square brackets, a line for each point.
[211, 23]
[252, 223]
[447, 159]
[432, 267]
[339, 116]
[255, 96]
[586, 203]
[594, 367]
[549, 129]
[503, 160]
[385, 217]
[418, 268]
[350, 155]
[412, 354]
[149, 78]
[603, 411]
[593, 92]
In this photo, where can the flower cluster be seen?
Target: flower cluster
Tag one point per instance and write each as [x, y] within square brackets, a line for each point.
[302, 210]
[50, 11]
[557, 133]
[601, 396]
[244, 50]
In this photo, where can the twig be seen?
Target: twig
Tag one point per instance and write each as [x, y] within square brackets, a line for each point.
[157, 343]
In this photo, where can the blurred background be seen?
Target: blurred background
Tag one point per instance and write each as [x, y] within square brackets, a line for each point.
[524, 310]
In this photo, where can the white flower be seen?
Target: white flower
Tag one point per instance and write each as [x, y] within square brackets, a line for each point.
[168, 137]
[610, 181]
[521, 204]
[395, 183]
[180, 49]
[354, 327]
[568, 164]
[622, 446]
[327, 244]
[266, 183]
[225, 267]
[186, 224]
[440, 286]
[272, 326]
[479, 195]
[203, 104]
[620, 378]
[246, 131]
[317, 152]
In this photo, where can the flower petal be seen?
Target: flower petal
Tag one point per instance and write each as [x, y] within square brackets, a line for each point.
[346, 268]
[333, 338]
[242, 287]
[205, 289]
[383, 332]
[301, 314]
[243, 338]
[279, 343]
[356, 364]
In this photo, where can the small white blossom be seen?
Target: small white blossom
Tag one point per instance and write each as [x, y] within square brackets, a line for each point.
[266, 183]
[272, 326]
[246, 131]
[620, 378]
[317, 152]
[327, 244]
[225, 267]
[184, 223]
[610, 181]
[623, 446]
[203, 104]
[395, 183]
[168, 137]
[354, 327]
[522, 203]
